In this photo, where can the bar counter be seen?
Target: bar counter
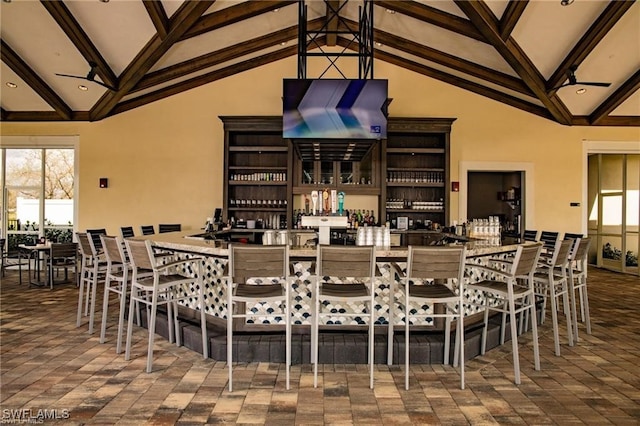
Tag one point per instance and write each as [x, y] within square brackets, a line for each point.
[389, 261]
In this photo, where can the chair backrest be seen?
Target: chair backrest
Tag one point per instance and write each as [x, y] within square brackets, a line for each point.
[84, 244]
[581, 253]
[549, 239]
[2, 243]
[530, 235]
[59, 250]
[127, 231]
[561, 252]
[147, 230]
[436, 263]
[169, 227]
[526, 259]
[252, 261]
[570, 236]
[94, 235]
[140, 254]
[113, 249]
[346, 261]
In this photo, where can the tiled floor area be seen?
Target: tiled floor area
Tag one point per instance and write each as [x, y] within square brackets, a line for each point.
[49, 364]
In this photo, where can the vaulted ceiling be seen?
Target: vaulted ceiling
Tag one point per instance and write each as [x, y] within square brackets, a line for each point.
[516, 52]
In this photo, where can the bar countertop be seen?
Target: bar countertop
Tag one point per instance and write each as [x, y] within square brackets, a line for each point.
[186, 241]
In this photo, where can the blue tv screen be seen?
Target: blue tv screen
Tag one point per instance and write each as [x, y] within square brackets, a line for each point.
[334, 109]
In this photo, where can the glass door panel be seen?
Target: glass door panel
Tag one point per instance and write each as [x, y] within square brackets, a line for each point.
[611, 231]
[22, 212]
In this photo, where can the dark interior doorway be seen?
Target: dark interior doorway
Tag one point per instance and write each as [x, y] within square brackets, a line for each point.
[499, 194]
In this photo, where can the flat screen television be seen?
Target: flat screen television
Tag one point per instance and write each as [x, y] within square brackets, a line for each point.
[334, 109]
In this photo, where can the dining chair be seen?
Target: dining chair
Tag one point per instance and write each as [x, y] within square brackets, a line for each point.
[550, 283]
[578, 281]
[93, 267]
[61, 256]
[435, 276]
[343, 274]
[94, 235]
[509, 289]
[162, 289]
[12, 257]
[257, 274]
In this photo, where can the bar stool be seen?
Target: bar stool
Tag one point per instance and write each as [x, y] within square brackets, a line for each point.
[116, 281]
[147, 230]
[334, 264]
[425, 267]
[92, 268]
[169, 227]
[511, 297]
[550, 281]
[127, 231]
[162, 289]
[257, 274]
[578, 281]
[530, 235]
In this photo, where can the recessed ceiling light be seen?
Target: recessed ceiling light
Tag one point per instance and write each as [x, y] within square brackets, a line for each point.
[566, 2]
[83, 87]
[581, 90]
[276, 10]
[379, 44]
[391, 11]
[7, 1]
[11, 85]
[104, 1]
[283, 43]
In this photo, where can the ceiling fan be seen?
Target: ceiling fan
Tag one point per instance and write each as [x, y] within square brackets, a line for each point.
[90, 76]
[573, 81]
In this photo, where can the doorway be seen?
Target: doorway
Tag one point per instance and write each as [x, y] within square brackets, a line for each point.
[508, 173]
[497, 193]
[614, 211]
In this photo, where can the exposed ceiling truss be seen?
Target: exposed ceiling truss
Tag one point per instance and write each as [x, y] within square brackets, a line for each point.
[143, 81]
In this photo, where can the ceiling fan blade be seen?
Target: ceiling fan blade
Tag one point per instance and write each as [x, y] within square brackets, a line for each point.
[592, 83]
[81, 77]
[104, 85]
[90, 80]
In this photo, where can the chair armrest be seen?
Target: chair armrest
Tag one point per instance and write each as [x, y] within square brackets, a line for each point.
[487, 269]
[180, 262]
[398, 269]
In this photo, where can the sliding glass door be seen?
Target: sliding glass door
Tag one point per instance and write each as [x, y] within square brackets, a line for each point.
[38, 194]
[614, 184]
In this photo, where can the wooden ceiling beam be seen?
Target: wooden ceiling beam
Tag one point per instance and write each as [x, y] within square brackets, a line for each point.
[598, 30]
[20, 67]
[611, 121]
[510, 17]
[80, 40]
[332, 19]
[182, 20]
[486, 22]
[35, 116]
[432, 16]
[628, 88]
[223, 55]
[464, 84]
[453, 62]
[233, 14]
[206, 78]
[158, 16]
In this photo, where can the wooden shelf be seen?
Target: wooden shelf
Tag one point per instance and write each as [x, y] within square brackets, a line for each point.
[257, 183]
[416, 184]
